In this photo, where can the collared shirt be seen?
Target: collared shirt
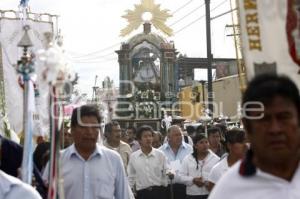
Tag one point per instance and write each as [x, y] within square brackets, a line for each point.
[147, 170]
[220, 151]
[184, 150]
[218, 170]
[189, 171]
[12, 188]
[261, 185]
[124, 150]
[175, 160]
[134, 145]
[101, 176]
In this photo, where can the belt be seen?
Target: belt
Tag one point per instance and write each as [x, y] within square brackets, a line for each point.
[177, 185]
[151, 188]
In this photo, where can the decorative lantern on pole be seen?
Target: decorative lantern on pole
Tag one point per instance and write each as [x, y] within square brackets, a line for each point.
[53, 72]
[25, 69]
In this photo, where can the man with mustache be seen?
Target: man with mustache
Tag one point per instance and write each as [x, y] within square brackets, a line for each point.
[271, 117]
[89, 170]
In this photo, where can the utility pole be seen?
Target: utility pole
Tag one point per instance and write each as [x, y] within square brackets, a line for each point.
[209, 59]
[95, 90]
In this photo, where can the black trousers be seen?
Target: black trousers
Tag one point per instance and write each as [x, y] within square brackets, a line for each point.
[197, 197]
[154, 192]
[179, 191]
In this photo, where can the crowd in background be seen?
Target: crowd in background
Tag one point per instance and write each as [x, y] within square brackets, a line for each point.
[210, 161]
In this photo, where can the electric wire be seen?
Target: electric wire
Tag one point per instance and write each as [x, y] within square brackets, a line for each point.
[188, 14]
[181, 7]
[87, 55]
[93, 57]
[98, 51]
[96, 61]
[199, 18]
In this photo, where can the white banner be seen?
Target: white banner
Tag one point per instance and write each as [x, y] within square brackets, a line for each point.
[270, 31]
[11, 31]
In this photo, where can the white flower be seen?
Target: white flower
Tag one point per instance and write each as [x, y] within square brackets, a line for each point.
[52, 67]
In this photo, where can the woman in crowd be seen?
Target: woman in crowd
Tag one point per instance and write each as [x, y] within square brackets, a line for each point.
[196, 168]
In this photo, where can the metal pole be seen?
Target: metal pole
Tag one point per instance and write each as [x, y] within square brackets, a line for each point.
[25, 68]
[238, 51]
[94, 89]
[209, 59]
[203, 91]
[171, 189]
[171, 177]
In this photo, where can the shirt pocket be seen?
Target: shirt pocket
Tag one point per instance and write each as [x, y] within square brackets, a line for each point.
[104, 188]
[158, 171]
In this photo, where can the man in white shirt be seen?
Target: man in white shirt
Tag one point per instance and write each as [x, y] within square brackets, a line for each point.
[133, 143]
[89, 170]
[271, 116]
[235, 142]
[112, 132]
[147, 168]
[13, 188]
[176, 150]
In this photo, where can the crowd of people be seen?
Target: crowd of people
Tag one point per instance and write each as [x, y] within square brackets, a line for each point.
[259, 161]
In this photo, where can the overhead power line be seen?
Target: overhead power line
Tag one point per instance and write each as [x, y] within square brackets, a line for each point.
[188, 25]
[92, 58]
[181, 7]
[96, 61]
[188, 14]
[181, 29]
[98, 51]
[222, 14]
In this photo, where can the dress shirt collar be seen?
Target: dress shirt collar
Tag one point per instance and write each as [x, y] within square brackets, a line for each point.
[152, 153]
[98, 151]
[167, 145]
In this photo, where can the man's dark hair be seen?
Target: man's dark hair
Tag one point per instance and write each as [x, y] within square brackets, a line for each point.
[222, 128]
[213, 130]
[190, 130]
[200, 129]
[108, 127]
[235, 135]
[264, 88]
[142, 129]
[85, 110]
[132, 128]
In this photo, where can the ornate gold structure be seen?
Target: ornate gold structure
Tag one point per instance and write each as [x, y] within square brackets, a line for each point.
[135, 17]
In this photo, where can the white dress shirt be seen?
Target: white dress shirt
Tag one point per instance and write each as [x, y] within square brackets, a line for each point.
[101, 176]
[124, 150]
[13, 188]
[189, 171]
[261, 185]
[218, 170]
[147, 170]
[174, 161]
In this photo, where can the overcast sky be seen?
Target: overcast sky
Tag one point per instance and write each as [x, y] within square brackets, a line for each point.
[93, 25]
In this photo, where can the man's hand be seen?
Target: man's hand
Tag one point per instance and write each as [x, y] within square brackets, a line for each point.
[170, 175]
